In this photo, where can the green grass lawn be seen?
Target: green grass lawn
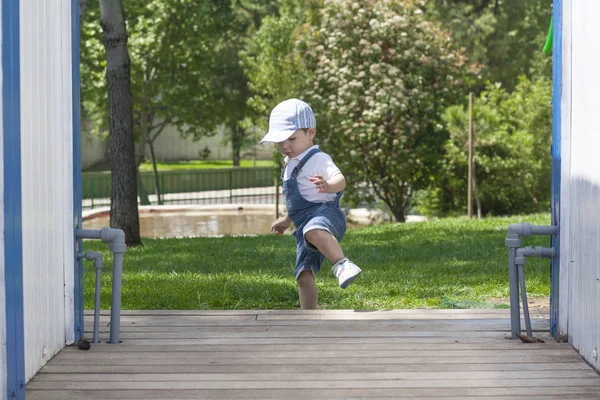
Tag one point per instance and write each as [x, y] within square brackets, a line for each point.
[182, 165]
[209, 164]
[448, 263]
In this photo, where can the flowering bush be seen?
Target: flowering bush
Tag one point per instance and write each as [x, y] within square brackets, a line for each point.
[383, 76]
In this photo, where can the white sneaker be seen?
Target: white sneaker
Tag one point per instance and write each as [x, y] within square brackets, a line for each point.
[346, 271]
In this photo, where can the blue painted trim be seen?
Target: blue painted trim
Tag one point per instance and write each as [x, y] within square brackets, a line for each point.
[556, 159]
[78, 274]
[13, 242]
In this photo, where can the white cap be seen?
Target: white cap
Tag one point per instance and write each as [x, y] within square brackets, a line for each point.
[286, 118]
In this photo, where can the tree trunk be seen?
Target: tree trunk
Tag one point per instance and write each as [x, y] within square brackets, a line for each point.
[140, 153]
[237, 135]
[139, 157]
[397, 212]
[155, 170]
[396, 198]
[142, 192]
[82, 8]
[123, 197]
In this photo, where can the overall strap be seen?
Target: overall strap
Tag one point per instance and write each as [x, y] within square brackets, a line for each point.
[338, 196]
[303, 161]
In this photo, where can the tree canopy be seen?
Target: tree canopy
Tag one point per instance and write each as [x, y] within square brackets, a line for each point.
[504, 37]
[511, 147]
[383, 76]
[172, 49]
[388, 80]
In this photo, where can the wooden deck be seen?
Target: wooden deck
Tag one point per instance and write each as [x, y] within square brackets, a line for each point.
[400, 354]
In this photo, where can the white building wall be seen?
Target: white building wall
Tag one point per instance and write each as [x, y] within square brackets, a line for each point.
[580, 252]
[565, 178]
[3, 369]
[47, 177]
[93, 150]
[169, 146]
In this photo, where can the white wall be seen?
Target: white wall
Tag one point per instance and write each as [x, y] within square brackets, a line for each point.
[170, 146]
[47, 177]
[3, 369]
[93, 150]
[580, 202]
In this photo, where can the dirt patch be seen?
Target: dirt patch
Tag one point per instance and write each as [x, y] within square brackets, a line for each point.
[541, 304]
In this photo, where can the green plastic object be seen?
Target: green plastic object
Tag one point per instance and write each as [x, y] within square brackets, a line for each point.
[548, 44]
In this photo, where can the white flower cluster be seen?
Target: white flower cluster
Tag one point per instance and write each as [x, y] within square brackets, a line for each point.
[376, 62]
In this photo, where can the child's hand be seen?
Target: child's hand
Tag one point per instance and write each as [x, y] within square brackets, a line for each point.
[320, 183]
[280, 225]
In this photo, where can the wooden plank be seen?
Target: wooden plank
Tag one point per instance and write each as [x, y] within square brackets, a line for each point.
[515, 376]
[311, 328]
[267, 345]
[491, 325]
[391, 314]
[471, 324]
[300, 353]
[310, 324]
[85, 361]
[337, 384]
[382, 316]
[523, 368]
[255, 354]
[188, 339]
[251, 332]
[58, 396]
[196, 319]
[315, 394]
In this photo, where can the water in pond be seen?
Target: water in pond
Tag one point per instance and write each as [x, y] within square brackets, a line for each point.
[190, 223]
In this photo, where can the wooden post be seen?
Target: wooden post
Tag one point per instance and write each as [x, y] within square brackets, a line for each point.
[470, 162]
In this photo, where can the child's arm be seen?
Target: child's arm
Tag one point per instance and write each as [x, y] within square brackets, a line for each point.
[335, 184]
[281, 224]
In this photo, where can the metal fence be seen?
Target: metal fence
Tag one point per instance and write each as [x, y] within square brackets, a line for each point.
[215, 186]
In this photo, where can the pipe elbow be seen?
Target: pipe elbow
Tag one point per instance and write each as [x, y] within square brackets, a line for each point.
[96, 258]
[522, 230]
[513, 235]
[525, 252]
[111, 235]
[522, 254]
[116, 238]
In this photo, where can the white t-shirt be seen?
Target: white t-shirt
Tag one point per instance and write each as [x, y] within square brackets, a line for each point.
[320, 163]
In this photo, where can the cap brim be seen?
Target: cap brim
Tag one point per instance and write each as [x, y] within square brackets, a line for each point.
[276, 137]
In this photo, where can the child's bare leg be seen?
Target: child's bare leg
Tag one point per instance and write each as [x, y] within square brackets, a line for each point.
[326, 243]
[307, 291]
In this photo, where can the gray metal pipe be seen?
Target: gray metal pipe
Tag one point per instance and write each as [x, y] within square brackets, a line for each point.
[115, 308]
[88, 233]
[525, 229]
[538, 251]
[519, 259]
[513, 280]
[524, 300]
[516, 260]
[98, 265]
[116, 238]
